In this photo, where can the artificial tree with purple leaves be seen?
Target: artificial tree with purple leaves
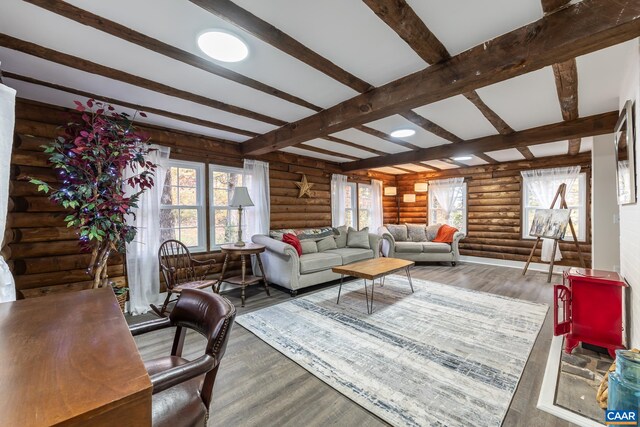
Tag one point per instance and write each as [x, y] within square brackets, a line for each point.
[92, 159]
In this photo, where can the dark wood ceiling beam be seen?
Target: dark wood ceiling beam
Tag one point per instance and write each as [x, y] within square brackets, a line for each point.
[400, 168]
[496, 121]
[326, 152]
[526, 153]
[550, 6]
[146, 109]
[588, 126]
[574, 146]
[487, 158]
[111, 73]
[427, 166]
[576, 30]
[353, 145]
[430, 126]
[125, 33]
[386, 137]
[266, 32]
[454, 162]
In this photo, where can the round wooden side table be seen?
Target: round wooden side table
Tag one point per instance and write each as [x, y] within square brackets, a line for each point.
[243, 279]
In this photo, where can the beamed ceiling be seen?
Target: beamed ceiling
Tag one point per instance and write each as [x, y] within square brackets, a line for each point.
[496, 80]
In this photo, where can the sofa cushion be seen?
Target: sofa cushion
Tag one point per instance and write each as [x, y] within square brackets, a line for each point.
[432, 231]
[417, 232]
[327, 243]
[399, 232]
[341, 236]
[308, 247]
[292, 240]
[310, 263]
[436, 248]
[350, 255]
[358, 239]
[409, 247]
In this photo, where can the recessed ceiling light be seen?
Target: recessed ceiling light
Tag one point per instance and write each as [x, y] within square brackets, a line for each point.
[462, 158]
[401, 133]
[223, 46]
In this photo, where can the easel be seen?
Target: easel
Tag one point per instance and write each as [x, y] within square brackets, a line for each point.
[562, 190]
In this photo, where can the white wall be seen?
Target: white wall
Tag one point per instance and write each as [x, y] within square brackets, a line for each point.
[630, 214]
[605, 226]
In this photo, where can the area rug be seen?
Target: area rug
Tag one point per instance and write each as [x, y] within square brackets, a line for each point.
[440, 356]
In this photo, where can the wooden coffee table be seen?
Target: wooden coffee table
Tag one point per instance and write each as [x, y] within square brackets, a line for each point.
[373, 269]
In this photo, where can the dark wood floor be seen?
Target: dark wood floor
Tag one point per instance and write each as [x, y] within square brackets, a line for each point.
[258, 386]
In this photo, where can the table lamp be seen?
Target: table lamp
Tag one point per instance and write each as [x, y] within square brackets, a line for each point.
[240, 199]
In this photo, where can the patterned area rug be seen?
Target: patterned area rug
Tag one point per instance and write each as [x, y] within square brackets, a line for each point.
[440, 356]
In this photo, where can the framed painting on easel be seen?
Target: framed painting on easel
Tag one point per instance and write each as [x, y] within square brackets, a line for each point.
[550, 223]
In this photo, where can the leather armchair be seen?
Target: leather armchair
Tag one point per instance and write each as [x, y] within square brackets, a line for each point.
[182, 389]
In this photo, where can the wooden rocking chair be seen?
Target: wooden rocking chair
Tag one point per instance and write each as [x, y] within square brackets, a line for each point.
[179, 272]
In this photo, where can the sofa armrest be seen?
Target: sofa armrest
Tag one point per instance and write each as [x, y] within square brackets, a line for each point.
[388, 242]
[274, 245]
[454, 245]
[374, 243]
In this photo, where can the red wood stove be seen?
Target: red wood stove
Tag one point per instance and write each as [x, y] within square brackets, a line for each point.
[589, 309]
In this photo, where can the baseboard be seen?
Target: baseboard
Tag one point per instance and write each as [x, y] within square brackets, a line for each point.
[534, 266]
[548, 389]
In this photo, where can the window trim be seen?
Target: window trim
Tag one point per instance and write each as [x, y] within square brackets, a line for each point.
[370, 187]
[200, 200]
[465, 207]
[212, 167]
[354, 205]
[582, 236]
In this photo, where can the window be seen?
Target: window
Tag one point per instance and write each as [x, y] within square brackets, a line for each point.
[351, 204]
[182, 205]
[224, 220]
[457, 216]
[576, 197]
[364, 206]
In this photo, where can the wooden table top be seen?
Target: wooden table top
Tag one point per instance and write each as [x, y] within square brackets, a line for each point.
[66, 358]
[247, 249]
[373, 268]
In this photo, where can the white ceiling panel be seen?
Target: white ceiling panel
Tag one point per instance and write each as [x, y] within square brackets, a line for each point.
[558, 148]
[414, 168]
[459, 116]
[474, 161]
[525, 101]
[361, 138]
[599, 77]
[302, 152]
[29, 66]
[390, 170]
[440, 164]
[339, 148]
[69, 37]
[507, 155]
[63, 99]
[265, 63]
[587, 144]
[347, 33]
[422, 138]
[481, 20]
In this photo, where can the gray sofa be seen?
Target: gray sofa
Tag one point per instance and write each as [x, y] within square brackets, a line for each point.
[286, 268]
[413, 242]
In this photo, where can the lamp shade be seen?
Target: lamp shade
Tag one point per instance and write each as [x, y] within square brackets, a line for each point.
[421, 187]
[409, 198]
[390, 191]
[240, 198]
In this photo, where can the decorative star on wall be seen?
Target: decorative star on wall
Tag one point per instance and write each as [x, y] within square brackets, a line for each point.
[304, 186]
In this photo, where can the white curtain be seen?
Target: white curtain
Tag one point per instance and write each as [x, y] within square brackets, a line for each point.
[7, 122]
[256, 179]
[143, 269]
[338, 207]
[446, 191]
[544, 183]
[376, 206]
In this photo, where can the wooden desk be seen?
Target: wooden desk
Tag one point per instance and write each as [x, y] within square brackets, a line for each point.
[69, 360]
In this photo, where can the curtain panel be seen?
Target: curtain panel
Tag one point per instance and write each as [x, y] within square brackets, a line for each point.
[544, 183]
[256, 179]
[446, 191]
[143, 268]
[338, 191]
[376, 206]
[7, 123]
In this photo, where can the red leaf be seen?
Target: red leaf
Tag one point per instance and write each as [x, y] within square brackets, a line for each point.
[90, 103]
[142, 114]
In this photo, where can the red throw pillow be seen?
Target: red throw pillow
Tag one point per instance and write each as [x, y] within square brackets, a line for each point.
[293, 240]
[445, 234]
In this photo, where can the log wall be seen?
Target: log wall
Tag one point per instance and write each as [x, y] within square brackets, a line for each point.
[494, 200]
[45, 255]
